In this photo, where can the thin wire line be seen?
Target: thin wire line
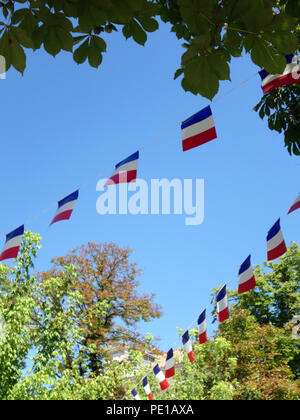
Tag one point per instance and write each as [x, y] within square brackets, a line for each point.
[179, 338]
[143, 147]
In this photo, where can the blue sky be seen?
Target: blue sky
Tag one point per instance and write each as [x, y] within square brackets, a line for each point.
[63, 124]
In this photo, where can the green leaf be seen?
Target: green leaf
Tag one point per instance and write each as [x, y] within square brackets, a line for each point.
[286, 43]
[178, 73]
[94, 54]
[22, 37]
[17, 55]
[200, 78]
[233, 43]
[100, 43]
[81, 53]
[138, 34]
[65, 39]
[52, 42]
[218, 64]
[293, 8]
[266, 57]
[149, 24]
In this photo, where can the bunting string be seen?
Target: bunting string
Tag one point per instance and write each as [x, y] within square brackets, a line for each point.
[196, 130]
[141, 148]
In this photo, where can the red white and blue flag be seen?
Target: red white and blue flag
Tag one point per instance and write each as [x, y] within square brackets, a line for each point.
[198, 129]
[170, 364]
[65, 207]
[147, 388]
[135, 394]
[246, 276]
[163, 383]
[12, 244]
[275, 243]
[125, 171]
[296, 205]
[186, 341]
[222, 305]
[202, 327]
[290, 75]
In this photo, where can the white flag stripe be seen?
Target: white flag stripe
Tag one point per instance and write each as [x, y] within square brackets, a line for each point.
[169, 364]
[160, 376]
[223, 304]
[202, 327]
[246, 275]
[188, 347]
[66, 207]
[147, 389]
[130, 166]
[275, 241]
[12, 243]
[197, 128]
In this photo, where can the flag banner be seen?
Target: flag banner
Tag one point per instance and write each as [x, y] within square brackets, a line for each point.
[163, 383]
[12, 244]
[136, 395]
[202, 327]
[125, 171]
[147, 388]
[296, 205]
[275, 243]
[186, 341]
[222, 305]
[170, 364]
[198, 129]
[65, 207]
[246, 277]
[290, 75]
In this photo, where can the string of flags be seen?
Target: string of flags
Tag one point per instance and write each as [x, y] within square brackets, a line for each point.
[289, 76]
[246, 281]
[195, 131]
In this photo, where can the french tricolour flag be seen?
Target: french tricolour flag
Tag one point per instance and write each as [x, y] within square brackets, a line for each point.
[125, 171]
[275, 243]
[147, 388]
[170, 364]
[296, 205]
[163, 383]
[246, 276]
[12, 244]
[135, 394]
[222, 305]
[186, 341]
[198, 129]
[290, 75]
[202, 327]
[65, 207]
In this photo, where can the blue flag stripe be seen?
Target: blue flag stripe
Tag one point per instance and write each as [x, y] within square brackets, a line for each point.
[199, 116]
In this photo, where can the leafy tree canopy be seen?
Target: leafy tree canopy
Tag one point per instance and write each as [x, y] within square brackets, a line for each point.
[253, 355]
[58, 324]
[213, 31]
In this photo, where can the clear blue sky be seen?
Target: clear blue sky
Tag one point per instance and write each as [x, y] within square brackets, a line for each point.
[63, 124]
